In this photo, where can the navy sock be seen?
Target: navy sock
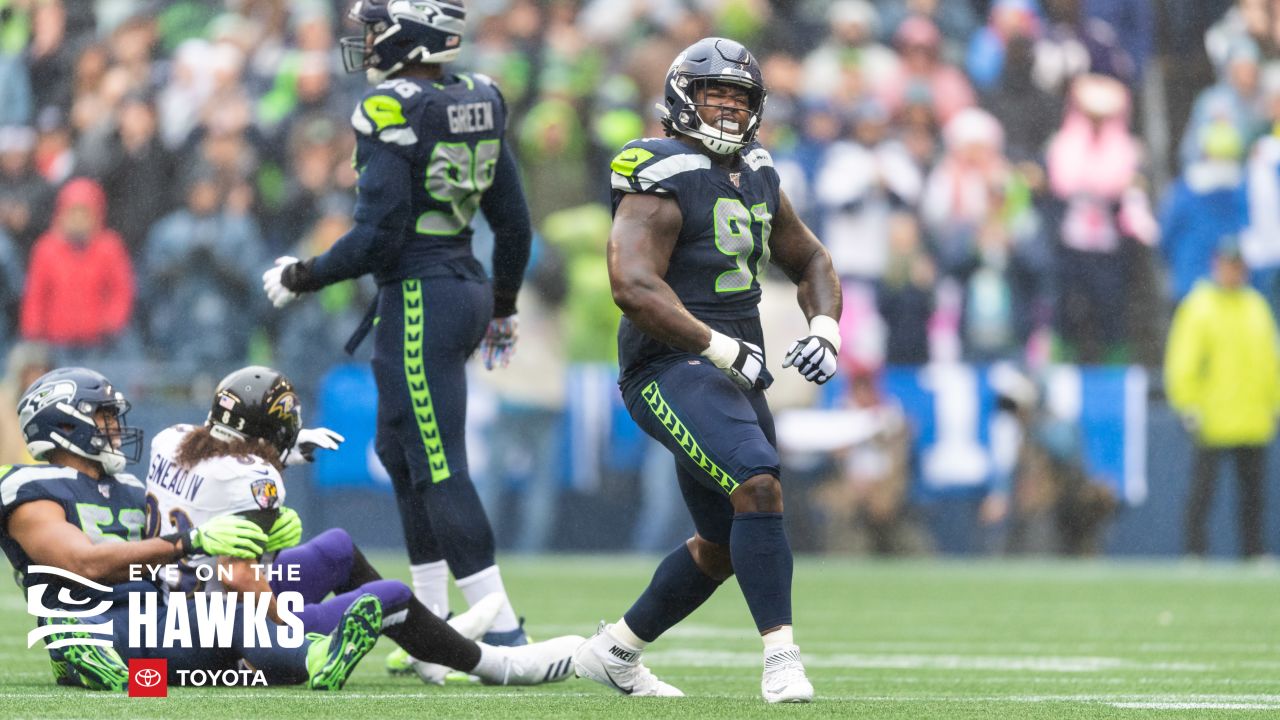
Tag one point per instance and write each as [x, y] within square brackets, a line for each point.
[678, 588]
[429, 638]
[762, 561]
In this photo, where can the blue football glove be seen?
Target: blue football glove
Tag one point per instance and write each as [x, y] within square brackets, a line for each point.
[499, 342]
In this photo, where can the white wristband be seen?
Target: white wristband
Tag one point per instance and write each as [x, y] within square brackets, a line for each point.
[827, 329]
[722, 351]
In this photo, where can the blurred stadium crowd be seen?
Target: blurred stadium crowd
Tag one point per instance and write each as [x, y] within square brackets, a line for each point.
[1025, 180]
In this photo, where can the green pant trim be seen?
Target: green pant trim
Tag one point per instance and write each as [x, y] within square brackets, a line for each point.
[415, 374]
[653, 397]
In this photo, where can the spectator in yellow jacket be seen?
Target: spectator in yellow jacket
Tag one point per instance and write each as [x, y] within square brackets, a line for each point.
[1222, 375]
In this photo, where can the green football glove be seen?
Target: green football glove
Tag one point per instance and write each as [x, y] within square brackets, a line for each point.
[286, 531]
[230, 535]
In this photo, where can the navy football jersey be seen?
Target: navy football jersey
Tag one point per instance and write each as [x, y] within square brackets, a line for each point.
[723, 247]
[451, 133]
[108, 510]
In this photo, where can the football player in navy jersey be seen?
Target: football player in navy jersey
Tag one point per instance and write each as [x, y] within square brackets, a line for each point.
[697, 217]
[82, 515]
[430, 152]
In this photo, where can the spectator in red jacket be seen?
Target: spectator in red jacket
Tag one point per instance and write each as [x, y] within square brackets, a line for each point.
[79, 289]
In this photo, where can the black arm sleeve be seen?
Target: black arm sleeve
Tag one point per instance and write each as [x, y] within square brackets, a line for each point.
[507, 211]
[262, 518]
[381, 218]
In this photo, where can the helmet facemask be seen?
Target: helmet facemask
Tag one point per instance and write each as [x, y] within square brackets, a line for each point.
[112, 443]
[402, 32]
[722, 141]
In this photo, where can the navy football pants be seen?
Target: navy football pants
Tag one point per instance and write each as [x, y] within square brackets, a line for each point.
[427, 329]
[720, 436]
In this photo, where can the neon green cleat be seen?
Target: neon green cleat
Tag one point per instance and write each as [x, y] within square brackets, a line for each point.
[95, 667]
[332, 658]
[399, 662]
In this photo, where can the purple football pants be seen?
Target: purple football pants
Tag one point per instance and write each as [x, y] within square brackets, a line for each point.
[323, 566]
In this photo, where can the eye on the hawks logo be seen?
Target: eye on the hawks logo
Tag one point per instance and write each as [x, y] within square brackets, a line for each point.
[265, 493]
[75, 601]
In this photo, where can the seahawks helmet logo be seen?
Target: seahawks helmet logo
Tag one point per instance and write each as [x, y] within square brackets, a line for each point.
[61, 391]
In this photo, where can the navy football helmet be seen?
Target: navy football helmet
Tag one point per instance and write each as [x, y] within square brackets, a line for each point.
[401, 32]
[256, 402]
[59, 411]
[709, 61]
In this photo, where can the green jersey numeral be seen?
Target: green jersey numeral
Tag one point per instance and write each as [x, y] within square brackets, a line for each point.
[458, 177]
[734, 237]
[93, 518]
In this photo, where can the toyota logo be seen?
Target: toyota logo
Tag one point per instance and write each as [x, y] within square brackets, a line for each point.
[147, 677]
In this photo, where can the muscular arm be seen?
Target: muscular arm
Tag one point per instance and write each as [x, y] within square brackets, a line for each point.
[41, 528]
[644, 234]
[803, 258]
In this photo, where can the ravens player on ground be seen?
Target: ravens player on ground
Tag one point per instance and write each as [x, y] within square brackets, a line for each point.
[430, 151]
[83, 514]
[697, 217]
[234, 463]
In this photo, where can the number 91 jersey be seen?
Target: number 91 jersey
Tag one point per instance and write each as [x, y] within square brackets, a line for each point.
[450, 133]
[723, 247]
[180, 498]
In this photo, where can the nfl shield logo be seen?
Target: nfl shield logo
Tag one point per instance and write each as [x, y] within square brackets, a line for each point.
[735, 178]
[265, 493]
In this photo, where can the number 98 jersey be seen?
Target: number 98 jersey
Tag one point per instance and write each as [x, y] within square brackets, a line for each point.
[450, 132]
[180, 498]
[723, 247]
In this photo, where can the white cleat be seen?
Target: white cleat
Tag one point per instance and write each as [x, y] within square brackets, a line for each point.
[612, 664]
[472, 624]
[536, 663]
[784, 679]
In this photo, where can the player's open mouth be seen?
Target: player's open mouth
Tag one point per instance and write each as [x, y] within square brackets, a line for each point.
[729, 126]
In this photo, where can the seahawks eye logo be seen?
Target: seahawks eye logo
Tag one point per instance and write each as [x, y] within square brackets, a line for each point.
[71, 627]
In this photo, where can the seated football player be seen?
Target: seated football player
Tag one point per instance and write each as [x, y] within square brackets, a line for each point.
[232, 464]
[82, 515]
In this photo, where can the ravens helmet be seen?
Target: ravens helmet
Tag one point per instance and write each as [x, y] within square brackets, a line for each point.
[710, 61]
[256, 402]
[402, 32]
[59, 411]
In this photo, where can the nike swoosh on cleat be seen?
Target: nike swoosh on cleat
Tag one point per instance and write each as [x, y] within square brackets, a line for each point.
[627, 690]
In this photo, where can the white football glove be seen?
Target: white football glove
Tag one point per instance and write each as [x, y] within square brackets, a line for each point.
[814, 356]
[740, 360]
[499, 342]
[277, 293]
[312, 439]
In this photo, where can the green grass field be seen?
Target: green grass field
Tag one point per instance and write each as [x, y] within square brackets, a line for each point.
[881, 640]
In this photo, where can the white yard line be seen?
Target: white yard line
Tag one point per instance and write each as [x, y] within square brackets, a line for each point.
[1031, 663]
